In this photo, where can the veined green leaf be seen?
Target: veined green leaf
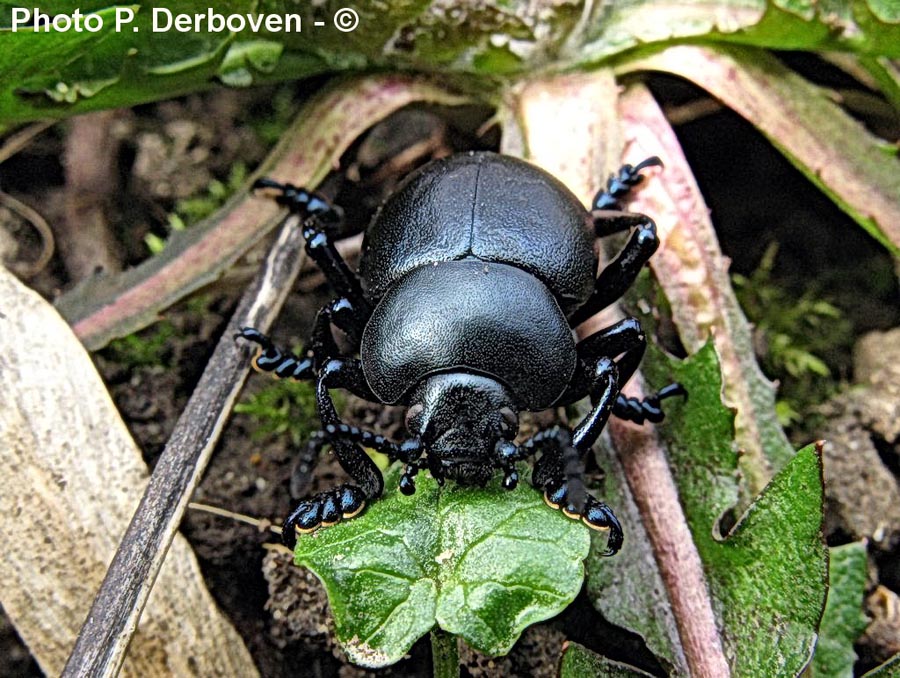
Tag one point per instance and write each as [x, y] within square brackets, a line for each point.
[53, 75]
[480, 563]
[766, 578]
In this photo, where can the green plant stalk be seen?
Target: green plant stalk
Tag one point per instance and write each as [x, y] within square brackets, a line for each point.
[444, 654]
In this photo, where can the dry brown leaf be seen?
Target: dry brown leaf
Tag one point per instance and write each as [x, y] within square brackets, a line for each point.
[72, 477]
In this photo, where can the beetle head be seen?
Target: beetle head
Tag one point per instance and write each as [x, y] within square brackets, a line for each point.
[460, 419]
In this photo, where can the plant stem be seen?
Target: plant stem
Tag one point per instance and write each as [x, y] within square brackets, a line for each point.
[101, 645]
[444, 654]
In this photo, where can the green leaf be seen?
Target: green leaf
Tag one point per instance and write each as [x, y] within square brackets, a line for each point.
[843, 620]
[580, 662]
[869, 27]
[480, 563]
[53, 75]
[766, 579]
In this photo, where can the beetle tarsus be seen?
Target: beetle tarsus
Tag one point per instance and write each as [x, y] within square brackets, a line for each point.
[321, 510]
[299, 200]
[619, 185]
[593, 513]
[647, 408]
[598, 516]
[321, 219]
[281, 363]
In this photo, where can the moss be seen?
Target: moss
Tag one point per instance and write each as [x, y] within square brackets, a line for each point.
[149, 347]
[796, 335]
[285, 408]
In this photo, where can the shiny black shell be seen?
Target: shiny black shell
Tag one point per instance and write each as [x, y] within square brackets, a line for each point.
[488, 206]
[473, 265]
[470, 316]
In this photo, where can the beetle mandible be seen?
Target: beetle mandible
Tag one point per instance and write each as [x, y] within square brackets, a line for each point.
[472, 275]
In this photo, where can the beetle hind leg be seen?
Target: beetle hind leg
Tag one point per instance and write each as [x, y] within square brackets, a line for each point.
[320, 220]
[299, 200]
[615, 279]
[280, 363]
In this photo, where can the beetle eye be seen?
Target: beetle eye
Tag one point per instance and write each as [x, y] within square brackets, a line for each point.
[510, 419]
[411, 414]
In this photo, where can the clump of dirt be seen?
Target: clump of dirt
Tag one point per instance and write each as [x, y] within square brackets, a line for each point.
[862, 492]
[863, 447]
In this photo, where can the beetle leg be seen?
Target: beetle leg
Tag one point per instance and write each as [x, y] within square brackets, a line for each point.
[647, 408]
[550, 477]
[620, 274]
[559, 472]
[301, 473]
[284, 364]
[344, 315]
[625, 339]
[299, 200]
[320, 219]
[348, 500]
[281, 363]
[620, 184]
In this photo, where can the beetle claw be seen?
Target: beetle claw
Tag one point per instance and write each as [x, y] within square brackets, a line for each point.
[595, 514]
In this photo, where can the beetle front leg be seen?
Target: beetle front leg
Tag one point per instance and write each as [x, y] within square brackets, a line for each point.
[559, 472]
[308, 457]
[347, 500]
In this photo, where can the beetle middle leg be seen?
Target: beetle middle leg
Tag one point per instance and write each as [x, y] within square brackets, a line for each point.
[625, 339]
[285, 364]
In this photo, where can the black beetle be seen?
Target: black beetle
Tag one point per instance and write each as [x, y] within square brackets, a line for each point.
[472, 276]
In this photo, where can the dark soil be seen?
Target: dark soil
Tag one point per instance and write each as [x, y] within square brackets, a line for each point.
[174, 149]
